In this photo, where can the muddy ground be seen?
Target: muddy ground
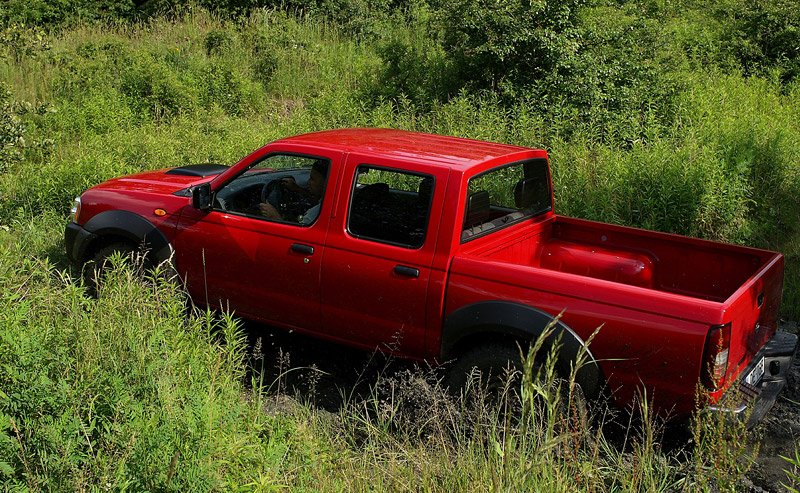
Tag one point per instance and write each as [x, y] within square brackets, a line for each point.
[779, 432]
[326, 375]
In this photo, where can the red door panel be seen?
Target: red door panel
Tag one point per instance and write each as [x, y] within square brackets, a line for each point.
[375, 294]
[250, 266]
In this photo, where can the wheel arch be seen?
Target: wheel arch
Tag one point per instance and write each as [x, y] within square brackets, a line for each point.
[493, 321]
[115, 225]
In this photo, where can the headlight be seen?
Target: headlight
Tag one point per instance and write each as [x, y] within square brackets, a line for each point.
[75, 211]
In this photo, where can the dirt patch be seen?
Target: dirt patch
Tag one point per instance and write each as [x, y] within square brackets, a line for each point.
[780, 432]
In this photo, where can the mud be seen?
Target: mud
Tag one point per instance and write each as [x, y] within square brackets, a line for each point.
[779, 433]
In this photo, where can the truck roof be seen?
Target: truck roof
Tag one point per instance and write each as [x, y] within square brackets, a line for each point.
[452, 152]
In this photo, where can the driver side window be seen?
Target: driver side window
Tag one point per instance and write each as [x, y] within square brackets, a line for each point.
[284, 188]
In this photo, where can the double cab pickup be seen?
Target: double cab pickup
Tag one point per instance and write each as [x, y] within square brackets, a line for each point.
[449, 250]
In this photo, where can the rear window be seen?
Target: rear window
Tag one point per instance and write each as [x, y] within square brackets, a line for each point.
[390, 206]
[505, 196]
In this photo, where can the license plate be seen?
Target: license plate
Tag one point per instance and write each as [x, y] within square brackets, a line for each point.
[756, 373]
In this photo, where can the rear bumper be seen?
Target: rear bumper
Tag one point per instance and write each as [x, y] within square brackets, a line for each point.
[752, 402]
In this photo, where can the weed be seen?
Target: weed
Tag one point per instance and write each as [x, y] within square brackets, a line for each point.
[793, 474]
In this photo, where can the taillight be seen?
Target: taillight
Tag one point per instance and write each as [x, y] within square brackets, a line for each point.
[715, 356]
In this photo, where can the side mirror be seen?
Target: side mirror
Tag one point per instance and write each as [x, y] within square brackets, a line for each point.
[201, 197]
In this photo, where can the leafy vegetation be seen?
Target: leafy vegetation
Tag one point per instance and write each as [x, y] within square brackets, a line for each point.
[131, 391]
[680, 117]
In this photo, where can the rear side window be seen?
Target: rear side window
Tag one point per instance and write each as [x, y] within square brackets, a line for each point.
[390, 206]
[506, 195]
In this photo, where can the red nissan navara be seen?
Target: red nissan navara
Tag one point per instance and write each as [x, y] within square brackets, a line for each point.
[448, 249]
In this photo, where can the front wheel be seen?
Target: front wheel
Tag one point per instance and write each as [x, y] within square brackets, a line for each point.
[97, 267]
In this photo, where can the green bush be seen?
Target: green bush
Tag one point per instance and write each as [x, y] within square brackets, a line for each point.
[22, 43]
[54, 13]
[12, 131]
[510, 45]
[218, 42]
[265, 62]
[154, 89]
[94, 64]
[222, 85]
[414, 71]
[606, 67]
[763, 35]
[621, 82]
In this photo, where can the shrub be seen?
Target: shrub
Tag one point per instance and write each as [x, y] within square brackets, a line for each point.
[21, 43]
[763, 35]
[12, 131]
[605, 67]
[217, 42]
[223, 85]
[16, 143]
[265, 61]
[94, 64]
[412, 70]
[621, 82]
[55, 13]
[361, 18]
[155, 89]
[506, 45]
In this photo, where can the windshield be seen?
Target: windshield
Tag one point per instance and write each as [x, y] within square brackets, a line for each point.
[506, 195]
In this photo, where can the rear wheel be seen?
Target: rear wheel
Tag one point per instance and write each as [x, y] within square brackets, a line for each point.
[490, 373]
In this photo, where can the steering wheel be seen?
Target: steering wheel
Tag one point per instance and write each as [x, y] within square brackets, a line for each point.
[292, 205]
[273, 189]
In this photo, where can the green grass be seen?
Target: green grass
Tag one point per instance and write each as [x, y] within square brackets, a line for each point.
[125, 390]
[130, 391]
[133, 392]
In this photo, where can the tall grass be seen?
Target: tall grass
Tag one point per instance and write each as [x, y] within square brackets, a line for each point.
[132, 391]
[125, 392]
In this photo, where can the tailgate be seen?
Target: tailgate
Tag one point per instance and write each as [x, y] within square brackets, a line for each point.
[752, 312]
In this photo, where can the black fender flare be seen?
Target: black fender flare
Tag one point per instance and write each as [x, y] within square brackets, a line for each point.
[505, 318]
[132, 227]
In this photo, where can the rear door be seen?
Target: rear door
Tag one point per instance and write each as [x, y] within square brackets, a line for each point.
[379, 252]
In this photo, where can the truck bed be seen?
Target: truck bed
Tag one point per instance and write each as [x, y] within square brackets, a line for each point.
[662, 262]
[655, 294]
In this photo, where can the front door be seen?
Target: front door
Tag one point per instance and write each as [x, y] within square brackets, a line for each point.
[258, 251]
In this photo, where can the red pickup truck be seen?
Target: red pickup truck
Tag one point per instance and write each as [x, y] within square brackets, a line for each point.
[447, 249]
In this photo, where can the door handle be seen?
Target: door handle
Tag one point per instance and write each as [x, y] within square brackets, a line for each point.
[304, 249]
[405, 271]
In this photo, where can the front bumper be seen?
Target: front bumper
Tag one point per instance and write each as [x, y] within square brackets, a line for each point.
[75, 241]
[752, 402]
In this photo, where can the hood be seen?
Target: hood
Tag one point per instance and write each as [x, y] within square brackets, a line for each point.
[169, 180]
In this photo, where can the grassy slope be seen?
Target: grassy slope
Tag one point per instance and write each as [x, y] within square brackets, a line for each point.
[126, 392]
